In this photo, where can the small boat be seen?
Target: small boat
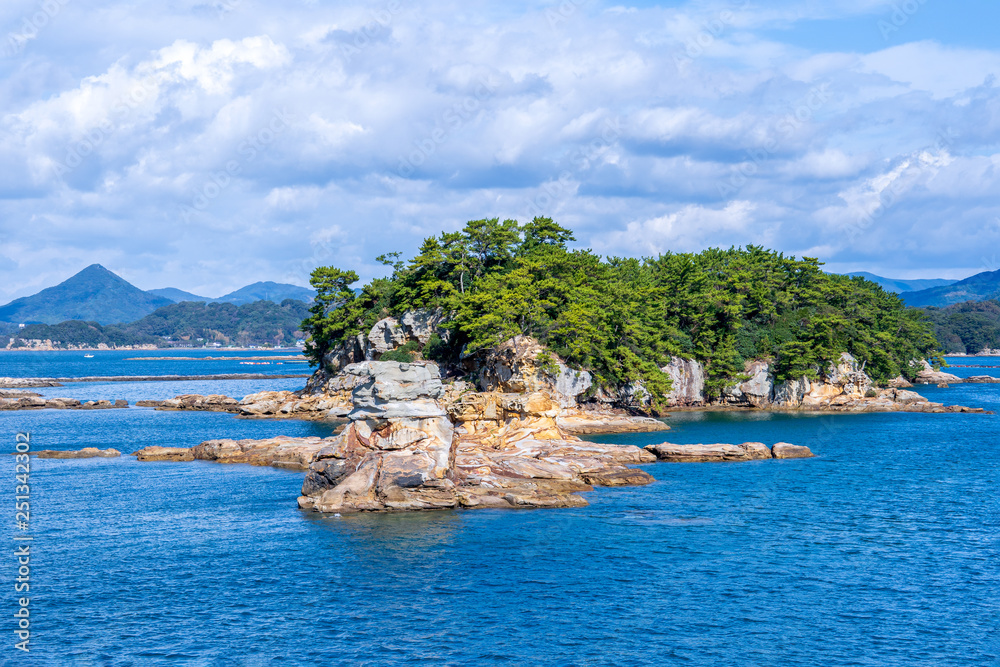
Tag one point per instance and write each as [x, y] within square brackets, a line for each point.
[88, 356]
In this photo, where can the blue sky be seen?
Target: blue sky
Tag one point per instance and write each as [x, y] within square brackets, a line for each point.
[207, 144]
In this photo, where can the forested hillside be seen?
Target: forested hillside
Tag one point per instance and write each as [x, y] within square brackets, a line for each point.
[258, 323]
[623, 318]
[968, 327]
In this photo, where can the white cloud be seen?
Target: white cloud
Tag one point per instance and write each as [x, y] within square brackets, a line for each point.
[398, 126]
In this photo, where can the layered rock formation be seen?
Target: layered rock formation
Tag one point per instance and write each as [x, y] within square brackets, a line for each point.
[718, 453]
[405, 450]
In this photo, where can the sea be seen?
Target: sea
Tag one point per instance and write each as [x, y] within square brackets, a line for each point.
[884, 549]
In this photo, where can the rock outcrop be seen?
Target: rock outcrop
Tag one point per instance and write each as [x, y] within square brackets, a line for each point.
[275, 404]
[982, 379]
[718, 453]
[521, 365]
[158, 453]
[85, 453]
[209, 403]
[927, 375]
[27, 383]
[757, 391]
[279, 452]
[687, 382]
[41, 403]
[387, 334]
[414, 445]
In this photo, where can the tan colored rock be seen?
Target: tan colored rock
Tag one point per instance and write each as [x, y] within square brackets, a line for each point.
[700, 453]
[756, 450]
[784, 450]
[157, 453]
[586, 422]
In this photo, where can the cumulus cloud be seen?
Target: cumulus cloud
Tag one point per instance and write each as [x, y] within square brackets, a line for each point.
[206, 146]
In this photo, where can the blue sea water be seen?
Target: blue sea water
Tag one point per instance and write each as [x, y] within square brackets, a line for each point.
[74, 363]
[882, 550]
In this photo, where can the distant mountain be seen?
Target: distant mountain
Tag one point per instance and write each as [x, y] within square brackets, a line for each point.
[184, 324]
[94, 295]
[267, 291]
[979, 287]
[178, 295]
[896, 285]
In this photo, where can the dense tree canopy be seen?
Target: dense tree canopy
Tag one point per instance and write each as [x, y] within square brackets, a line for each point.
[623, 318]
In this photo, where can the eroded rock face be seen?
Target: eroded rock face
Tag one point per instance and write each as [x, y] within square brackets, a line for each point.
[687, 378]
[757, 391]
[521, 365]
[405, 449]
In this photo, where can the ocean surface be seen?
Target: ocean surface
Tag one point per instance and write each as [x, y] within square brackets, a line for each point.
[882, 550]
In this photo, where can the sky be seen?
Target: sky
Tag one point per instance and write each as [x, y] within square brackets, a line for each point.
[209, 144]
